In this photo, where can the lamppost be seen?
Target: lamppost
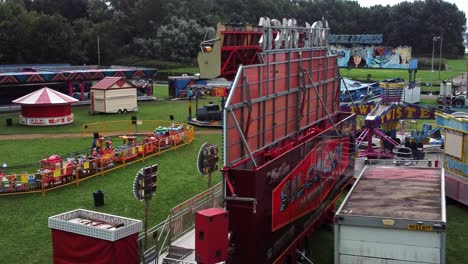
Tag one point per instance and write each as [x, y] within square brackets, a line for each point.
[434, 39]
[440, 54]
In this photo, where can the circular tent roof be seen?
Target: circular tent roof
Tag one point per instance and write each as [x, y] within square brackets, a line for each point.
[45, 96]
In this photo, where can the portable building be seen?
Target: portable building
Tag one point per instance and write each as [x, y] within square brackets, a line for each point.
[113, 95]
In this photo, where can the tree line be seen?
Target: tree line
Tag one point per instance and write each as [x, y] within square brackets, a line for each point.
[69, 31]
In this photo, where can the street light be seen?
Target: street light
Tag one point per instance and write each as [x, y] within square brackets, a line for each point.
[434, 39]
[440, 54]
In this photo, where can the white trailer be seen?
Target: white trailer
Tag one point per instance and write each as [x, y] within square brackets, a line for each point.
[113, 95]
[392, 215]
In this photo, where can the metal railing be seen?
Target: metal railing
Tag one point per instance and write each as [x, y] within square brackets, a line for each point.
[75, 169]
[177, 261]
[180, 220]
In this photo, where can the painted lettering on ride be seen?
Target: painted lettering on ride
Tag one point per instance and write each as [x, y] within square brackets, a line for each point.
[278, 172]
[395, 113]
[287, 34]
[362, 109]
[357, 39]
[297, 185]
[307, 183]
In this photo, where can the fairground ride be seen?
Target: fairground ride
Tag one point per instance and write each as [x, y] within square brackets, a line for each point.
[382, 118]
[287, 149]
[455, 160]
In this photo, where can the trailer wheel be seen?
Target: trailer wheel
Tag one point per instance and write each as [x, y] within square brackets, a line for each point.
[119, 111]
[125, 111]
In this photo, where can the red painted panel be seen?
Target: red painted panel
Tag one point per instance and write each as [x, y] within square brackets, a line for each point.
[309, 182]
[211, 233]
[276, 87]
[456, 187]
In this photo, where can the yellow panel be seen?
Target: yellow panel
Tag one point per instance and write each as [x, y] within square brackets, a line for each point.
[24, 178]
[86, 165]
[133, 150]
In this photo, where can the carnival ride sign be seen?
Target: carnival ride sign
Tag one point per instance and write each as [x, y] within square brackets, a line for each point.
[396, 112]
[378, 57]
[46, 121]
[309, 182]
[357, 39]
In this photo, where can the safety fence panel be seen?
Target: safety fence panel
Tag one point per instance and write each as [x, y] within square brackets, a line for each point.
[130, 126]
[73, 170]
[181, 220]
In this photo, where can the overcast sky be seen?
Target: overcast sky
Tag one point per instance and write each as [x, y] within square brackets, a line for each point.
[461, 4]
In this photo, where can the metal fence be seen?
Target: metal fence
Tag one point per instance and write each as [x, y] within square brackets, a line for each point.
[79, 167]
[360, 163]
[180, 221]
[127, 126]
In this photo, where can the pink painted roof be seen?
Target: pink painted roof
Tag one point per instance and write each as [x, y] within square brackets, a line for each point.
[45, 96]
[108, 82]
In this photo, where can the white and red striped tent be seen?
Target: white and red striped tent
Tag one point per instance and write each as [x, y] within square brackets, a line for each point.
[45, 96]
[45, 107]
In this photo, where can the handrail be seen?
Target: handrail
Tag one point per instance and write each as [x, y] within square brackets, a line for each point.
[181, 218]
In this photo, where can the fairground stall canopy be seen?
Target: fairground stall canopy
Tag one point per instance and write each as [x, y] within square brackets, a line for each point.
[45, 107]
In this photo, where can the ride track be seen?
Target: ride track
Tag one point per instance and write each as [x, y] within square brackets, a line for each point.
[87, 135]
[56, 171]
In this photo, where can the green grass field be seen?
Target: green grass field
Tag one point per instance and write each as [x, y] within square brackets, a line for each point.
[23, 218]
[26, 238]
[157, 110]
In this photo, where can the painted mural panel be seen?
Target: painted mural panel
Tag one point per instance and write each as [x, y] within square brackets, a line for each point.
[379, 57]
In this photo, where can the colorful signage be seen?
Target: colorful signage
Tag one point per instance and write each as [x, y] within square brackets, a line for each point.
[456, 166]
[393, 113]
[372, 57]
[46, 121]
[302, 190]
[357, 39]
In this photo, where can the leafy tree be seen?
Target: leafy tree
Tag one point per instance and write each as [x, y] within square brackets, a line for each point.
[178, 40]
[67, 30]
[99, 11]
[70, 9]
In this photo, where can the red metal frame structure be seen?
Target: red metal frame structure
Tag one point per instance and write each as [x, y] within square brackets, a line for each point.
[288, 151]
[239, 47]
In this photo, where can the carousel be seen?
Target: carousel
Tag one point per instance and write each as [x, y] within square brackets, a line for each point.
[45, 107]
